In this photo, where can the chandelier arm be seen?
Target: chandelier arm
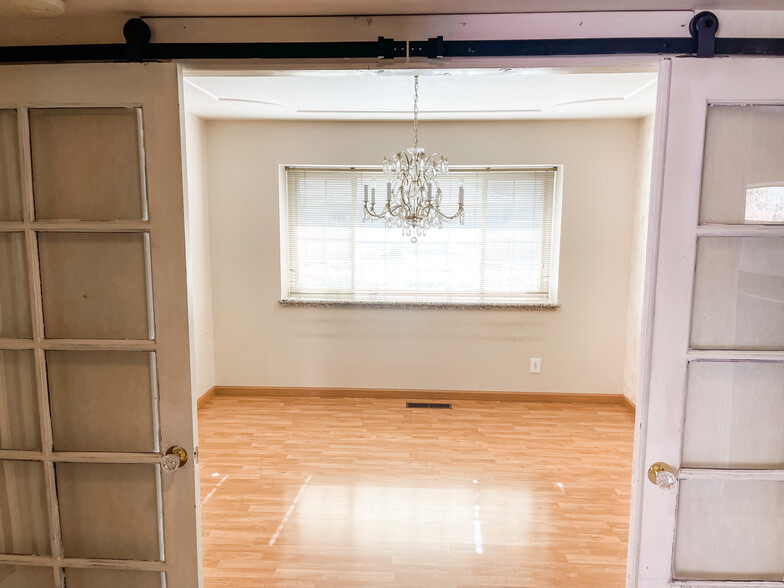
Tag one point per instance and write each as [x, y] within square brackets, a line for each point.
[447, 217]
[374, 215]
[371, 211]
[393, 210]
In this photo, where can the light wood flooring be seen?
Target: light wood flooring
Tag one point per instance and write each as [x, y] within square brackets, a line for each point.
[359, 492]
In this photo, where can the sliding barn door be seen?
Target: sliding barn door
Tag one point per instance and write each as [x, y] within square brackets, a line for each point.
[711, 466]
[97, 473]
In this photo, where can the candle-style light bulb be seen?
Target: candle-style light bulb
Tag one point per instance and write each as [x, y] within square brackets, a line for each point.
[373, 194]
[366, 193]
[461, 194]
[389, 191]
[429, 191]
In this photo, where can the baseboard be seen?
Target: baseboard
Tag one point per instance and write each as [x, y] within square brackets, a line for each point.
[206, 397]
[415, 394]
[626, 401]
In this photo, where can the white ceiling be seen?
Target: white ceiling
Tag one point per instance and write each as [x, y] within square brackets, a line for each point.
[376, 7]
[486, 95]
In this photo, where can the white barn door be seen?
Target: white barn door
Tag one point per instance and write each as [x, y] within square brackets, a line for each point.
[715, 401]
[94, 360]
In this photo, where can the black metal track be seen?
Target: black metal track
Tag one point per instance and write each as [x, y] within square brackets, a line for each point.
[434, 48]
[169, 51]
[536, 47]
[702, 43]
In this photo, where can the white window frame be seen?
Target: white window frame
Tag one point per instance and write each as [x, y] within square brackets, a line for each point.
[555, 246]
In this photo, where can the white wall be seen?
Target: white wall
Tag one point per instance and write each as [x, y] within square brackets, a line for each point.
[631, 369]
[257, 342]
[198, 258]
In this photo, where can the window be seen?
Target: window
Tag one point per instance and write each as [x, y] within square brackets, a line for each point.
[506, 253]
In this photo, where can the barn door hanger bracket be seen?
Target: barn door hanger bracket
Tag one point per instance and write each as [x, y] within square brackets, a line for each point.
[137, 35]
[386, 48]
[703, 27]
[138, 48]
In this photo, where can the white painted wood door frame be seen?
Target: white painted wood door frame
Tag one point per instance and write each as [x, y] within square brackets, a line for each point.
[157, 90]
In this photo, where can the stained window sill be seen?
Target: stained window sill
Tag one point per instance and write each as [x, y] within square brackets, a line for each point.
[413, 304]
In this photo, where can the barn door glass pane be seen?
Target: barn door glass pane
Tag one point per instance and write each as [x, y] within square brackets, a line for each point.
[95, 578]
[24, 525]
[26, 577]
[730, 530]
[733, 415]
[15, 321]
[19, 426]
[739, 293]
[95, 285]
[742, 177]
[99, 180]
[102, 400]
[10, 186]
[109, 510]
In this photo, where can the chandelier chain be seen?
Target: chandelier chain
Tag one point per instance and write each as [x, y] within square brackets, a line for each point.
[416, 111]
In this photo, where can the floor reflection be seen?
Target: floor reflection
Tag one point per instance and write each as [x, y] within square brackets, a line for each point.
[367, 518]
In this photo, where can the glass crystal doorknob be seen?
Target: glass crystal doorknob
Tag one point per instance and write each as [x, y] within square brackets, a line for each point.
[175, 457]
[662, 475]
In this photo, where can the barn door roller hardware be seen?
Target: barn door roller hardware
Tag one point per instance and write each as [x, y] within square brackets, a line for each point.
[703, 27]
[702, 43]
[138, 47]
[137, 35]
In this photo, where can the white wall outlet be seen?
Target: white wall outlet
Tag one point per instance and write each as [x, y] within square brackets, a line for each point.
[536, 365]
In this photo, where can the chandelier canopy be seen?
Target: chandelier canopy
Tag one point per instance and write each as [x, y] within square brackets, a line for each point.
[414, 196]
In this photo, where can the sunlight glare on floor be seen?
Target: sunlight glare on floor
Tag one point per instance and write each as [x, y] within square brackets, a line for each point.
[367, 517]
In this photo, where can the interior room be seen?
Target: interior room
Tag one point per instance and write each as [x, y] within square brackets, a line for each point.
[313, 469]
[391, 294]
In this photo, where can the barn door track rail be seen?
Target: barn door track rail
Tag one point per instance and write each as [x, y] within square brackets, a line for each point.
[138, 47]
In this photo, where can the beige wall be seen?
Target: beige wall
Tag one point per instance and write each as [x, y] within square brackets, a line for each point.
[257, 342]
[631, 369]
[198, 259]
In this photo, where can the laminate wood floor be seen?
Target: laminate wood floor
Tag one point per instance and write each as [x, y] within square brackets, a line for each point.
[358, 492]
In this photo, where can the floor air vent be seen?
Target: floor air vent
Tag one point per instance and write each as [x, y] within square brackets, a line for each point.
[428, 405]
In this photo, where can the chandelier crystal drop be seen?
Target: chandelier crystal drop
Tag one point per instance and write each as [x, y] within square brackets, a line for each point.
[413, 198]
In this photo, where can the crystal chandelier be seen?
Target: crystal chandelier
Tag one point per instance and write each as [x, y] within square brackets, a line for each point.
[413, 194]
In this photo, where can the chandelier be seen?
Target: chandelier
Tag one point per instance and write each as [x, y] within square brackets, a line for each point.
[413, 194]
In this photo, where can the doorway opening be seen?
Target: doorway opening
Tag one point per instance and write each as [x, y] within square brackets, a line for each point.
[313, 469]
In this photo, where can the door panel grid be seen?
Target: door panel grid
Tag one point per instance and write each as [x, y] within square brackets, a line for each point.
[732, 494]
[25, 560]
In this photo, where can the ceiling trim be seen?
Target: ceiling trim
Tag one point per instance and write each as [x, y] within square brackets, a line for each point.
[438, 114]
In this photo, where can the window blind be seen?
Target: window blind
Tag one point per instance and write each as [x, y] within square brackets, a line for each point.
[501, 254]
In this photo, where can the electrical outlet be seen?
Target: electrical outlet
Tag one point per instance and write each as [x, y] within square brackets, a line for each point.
[536, 365]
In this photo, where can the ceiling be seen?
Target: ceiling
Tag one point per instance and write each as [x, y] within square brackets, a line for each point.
[378, 7]
[485, 95]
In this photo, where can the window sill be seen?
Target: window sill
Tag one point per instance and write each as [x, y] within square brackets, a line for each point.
[398, 304]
